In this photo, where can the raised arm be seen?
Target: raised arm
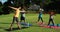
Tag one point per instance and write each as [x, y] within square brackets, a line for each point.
[13, 8]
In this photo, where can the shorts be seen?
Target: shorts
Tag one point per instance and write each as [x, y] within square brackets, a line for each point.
[50, 19]
[22, 18]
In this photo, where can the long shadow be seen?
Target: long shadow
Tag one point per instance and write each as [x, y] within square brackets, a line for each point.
[4, 23]
[2, 27]
[16, 29]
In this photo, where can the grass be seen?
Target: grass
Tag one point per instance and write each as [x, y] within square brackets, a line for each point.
[5, 21]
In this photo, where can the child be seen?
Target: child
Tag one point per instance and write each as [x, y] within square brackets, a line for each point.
[40, 15]
[15, 17]
[51, 18]
[22, 18]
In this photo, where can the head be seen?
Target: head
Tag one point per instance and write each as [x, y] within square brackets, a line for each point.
[52, 13]
[18, 7]
[41, 9]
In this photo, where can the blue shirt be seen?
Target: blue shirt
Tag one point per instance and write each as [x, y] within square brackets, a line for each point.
[40, 14]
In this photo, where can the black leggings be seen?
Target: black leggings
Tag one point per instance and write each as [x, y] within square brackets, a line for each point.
[50, 20]
[40, 18]
[15, 19]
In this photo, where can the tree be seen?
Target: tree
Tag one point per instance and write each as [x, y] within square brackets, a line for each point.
[1, 8]
[6, 9]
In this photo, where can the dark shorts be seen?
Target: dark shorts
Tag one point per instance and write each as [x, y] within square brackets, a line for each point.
[15, 19]
[22, 18]
[50, 19]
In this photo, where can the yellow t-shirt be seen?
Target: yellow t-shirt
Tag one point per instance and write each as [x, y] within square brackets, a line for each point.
[17, 13]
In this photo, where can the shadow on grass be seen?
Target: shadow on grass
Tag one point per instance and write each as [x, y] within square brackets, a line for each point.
[2, 27]
[16, 29]
[4, 23]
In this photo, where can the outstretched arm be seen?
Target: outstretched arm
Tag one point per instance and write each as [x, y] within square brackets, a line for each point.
[23, 10]
[13, 8]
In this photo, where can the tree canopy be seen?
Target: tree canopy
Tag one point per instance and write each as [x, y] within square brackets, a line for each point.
[45, 4]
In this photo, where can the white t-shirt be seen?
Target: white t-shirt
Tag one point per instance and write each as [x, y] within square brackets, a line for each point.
[23, 13]
[52, 17]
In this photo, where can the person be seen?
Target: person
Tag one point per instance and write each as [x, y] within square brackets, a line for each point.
[51, 18]
[22, 13]
[15, 17]
[40, 14]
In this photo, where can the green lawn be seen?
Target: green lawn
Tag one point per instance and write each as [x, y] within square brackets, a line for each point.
[5, 21]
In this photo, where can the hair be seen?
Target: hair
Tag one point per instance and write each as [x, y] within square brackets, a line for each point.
[17, 6]
[52, 12]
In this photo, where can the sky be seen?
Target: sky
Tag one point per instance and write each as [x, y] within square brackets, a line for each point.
[3, 1]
